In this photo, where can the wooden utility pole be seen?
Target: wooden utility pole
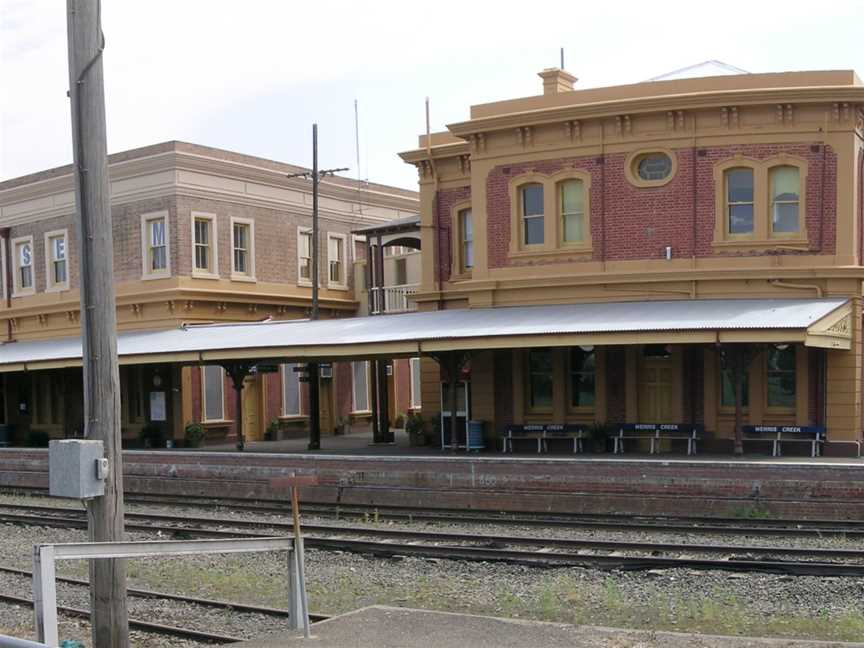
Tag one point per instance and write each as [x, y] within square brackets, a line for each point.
[313, 368]
[93, 227]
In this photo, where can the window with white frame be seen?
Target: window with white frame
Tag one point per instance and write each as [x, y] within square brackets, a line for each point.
[416, 399]
[304, 255]
[360, 392]
[204, 242]
[154, 238]
[336, 259]
[213, 392]
[242, 242]
[22, 249]
[56, 267]
[290, 390]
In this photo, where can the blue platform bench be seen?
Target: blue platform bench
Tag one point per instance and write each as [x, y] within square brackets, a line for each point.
[542, 434]
[656, 432]
[780, 434]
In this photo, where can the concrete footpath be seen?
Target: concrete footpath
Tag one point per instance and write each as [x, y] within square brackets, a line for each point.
[387, 627]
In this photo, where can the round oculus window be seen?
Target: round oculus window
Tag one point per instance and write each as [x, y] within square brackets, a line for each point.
[653, 167]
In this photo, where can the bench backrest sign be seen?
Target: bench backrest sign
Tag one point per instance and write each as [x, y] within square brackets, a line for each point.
[791, 429]
[660, 427]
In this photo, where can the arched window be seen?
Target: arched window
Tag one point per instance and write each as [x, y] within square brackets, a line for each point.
[531, 199]
[739, 201]
[571, 206]
[785, 191]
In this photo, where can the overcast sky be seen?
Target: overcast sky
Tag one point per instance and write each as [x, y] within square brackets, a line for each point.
[252, 76]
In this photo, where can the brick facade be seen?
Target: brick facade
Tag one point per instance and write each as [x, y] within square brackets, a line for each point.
[632, 223]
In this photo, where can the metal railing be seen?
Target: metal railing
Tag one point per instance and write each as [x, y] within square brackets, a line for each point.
[392, 299]
[45, 587]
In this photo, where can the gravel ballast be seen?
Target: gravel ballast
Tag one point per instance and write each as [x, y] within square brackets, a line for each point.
[680, 599]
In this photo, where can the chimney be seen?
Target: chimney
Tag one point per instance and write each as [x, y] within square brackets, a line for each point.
[556, 80]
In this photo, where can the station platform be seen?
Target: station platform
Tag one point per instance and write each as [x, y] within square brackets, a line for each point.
[388, 627]
[359, 443]
[429, 478]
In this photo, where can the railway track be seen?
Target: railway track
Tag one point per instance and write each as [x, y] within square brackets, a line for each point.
[545, 552]
[142, 593]
[136, 624]
[690, 524]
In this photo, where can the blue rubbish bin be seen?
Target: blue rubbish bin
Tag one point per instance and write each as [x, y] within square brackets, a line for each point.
[475, 435]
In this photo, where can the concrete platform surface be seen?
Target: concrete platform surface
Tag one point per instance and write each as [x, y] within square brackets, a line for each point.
[387, 627]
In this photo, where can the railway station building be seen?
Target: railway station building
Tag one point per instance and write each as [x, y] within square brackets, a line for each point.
[202, 236]
[698, 222]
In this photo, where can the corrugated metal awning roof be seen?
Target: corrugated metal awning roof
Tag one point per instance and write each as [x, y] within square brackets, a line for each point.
[693, 321]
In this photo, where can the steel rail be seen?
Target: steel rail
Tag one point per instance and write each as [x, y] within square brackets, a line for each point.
[532, 558]
[696, 524]
[755, 526]
[138, 624]
[559, 543]
[791, 529]
[142, 593]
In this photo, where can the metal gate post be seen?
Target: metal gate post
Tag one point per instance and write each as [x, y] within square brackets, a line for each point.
[294, 593]
[45, 595]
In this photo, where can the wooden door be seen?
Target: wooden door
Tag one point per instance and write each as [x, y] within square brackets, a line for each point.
[252, 424]
[656, 381]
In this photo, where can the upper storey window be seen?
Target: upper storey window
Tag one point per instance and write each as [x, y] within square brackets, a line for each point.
[739, 200]
[760, 202]
[336, 261]
[532, 214]
[304, 256]
[56, 272]
[785, 186]
[243, 249]
[654, 166]
[571, 196]
[550, 214]
[204, 245]
[22, 248]
[155, 251]
[462, 249]
[466, 235]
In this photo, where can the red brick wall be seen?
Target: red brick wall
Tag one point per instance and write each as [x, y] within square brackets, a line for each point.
[446, 199]
[641, 222]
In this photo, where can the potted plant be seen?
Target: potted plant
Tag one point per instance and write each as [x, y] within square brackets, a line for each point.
[271, 433]
[343, 425]
[599, 433]
[415, 426]
[193, 435]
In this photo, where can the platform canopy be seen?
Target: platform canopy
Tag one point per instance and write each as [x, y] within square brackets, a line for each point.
[822, 323]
